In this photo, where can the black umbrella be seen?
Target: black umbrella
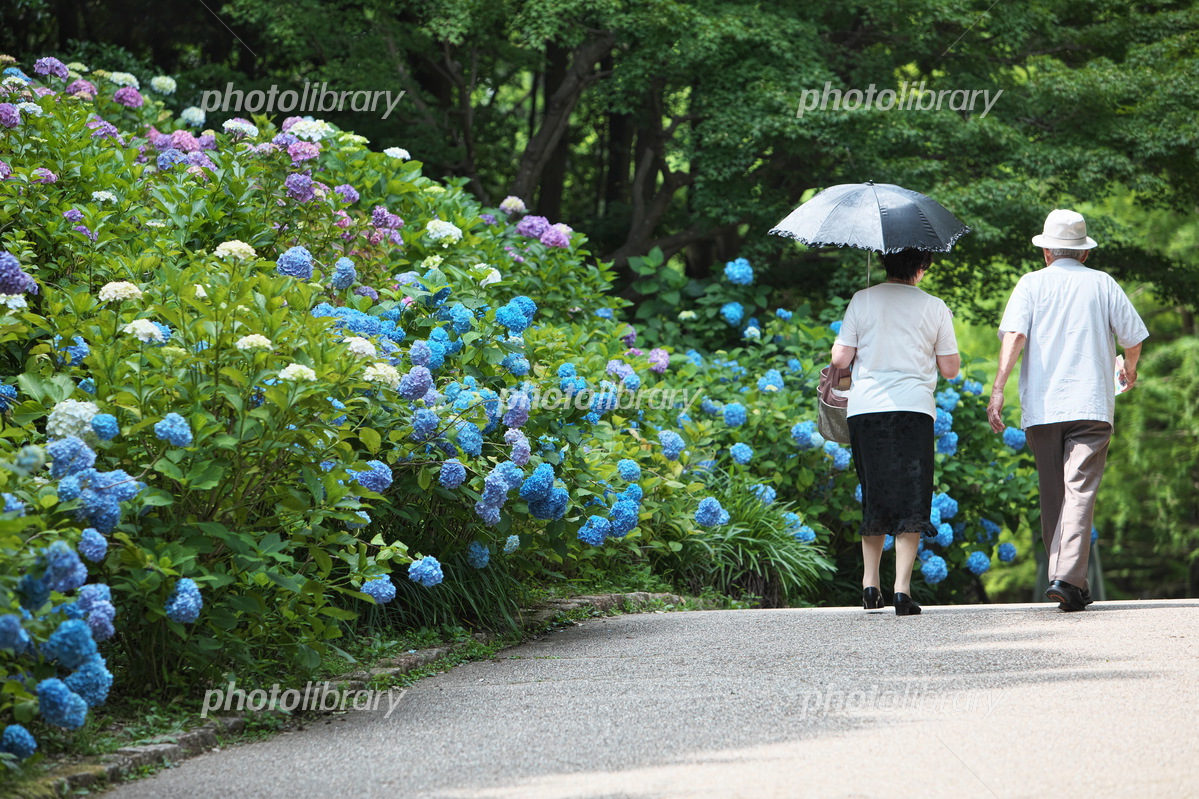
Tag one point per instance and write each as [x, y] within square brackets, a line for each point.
[873, 216]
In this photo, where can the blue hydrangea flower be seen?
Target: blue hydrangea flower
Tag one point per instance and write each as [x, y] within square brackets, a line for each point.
[739, 272]
[59, 705]
[100, 615]
[733, 312]
[539, 483]
[92, 545]
[1007, 552]
[944, 535]
[426, 571]
[382, 590]
[12, 635]
[1094, 534]
[948, 444]
[710, 514]
[105, 426]
[783, 314]
[672, 444]
[478, 555]
[169, 158]
[68, 456]
[978, 563]
[175, 430]
[1014, 438]
[805, 534]
[452, 474]
[461, 318]
[945, 504]
[835, 327]
[512, 544]
[424, 424]
[633, 493]
[604, 313]
[75, 352]
[71, 644]
[973, 387]
[888, 543]
[377, 478]
[516, 363]
[943, 423]
[416, 383]
[8, 396]
[763, 492]
[624, 517]
[841, 456]
[17, 741]
[184, 604]
[32, 592]
[344, 274]
[801, 434]
[857, 493]
[92, 681]
[470, 438]
[742, 453]
[13, 505]
[734, 414]
[948, 399]
[934, 569]
[630, 470]
[296, 262]
[595, 530]
[512, 317]
[64, 571]
[771, 381]
[990, 530]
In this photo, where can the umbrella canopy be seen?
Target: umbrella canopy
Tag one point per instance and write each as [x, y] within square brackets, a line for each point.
[873, 216]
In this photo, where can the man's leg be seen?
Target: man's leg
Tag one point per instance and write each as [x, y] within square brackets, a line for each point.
[1085, 453]
[1045, 441]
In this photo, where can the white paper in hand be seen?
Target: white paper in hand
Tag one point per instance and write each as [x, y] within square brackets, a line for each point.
[1121, 386]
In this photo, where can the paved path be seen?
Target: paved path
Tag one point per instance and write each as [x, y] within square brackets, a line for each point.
[991, 701]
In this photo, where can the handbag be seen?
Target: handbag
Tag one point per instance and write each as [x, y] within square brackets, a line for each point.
[831, 420]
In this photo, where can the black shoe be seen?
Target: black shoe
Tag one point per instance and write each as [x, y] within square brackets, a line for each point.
[904, 606]
[1069, 597]
[1086, 597]
[872, 598]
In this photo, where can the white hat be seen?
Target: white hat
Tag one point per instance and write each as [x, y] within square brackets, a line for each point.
[1064, 230]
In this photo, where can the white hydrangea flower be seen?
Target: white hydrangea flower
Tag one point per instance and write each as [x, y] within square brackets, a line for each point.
[145, 330]
[13, 81]
[104, 197]
[14, 302]
[123, 79]
[493, 276]
[235, 249]
[311, 129]
[254, 341]
[155, 223]
[397, 152]
[296, 372]
[163, 84]
[201, 294]
[77, 67]
[383, 373]
[352, 138]
[193, 116]
[33, 109]
[71, 418]
[120, 290]
[513, 205]
[753, 333]
[445, 232]
[432, 262]
[244, 128]
[361, 347]
[686, 316]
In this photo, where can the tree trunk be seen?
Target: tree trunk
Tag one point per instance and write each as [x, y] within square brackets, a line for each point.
[553, 176]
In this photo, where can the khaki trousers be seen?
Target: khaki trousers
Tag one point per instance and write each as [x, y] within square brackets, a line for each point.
[1070, 460]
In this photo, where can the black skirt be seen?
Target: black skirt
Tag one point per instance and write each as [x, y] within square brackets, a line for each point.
[893, 455]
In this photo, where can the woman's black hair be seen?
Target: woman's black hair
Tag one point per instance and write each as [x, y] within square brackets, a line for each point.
[904, 265]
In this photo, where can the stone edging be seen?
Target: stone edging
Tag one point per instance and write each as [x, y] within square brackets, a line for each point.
[111, 768]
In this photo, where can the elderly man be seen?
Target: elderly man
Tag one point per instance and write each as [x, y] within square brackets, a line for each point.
[1064, 318]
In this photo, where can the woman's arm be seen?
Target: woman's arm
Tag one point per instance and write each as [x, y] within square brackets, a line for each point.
[949, 365]
[843, 356]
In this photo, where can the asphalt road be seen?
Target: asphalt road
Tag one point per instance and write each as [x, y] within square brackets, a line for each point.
[981, 701]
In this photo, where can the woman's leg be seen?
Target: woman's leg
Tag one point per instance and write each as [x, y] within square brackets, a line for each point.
[906, 545]
[872, 555]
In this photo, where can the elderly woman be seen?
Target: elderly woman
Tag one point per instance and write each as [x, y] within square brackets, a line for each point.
[896, 336]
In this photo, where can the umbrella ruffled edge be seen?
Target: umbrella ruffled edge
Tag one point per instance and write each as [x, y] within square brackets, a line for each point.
[840, 245]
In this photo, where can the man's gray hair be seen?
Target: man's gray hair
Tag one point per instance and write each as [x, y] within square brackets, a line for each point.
[1057, 252]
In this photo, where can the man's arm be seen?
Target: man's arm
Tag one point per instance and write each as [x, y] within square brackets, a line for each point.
[843, 356]
[1129, 373]
[1009, 353]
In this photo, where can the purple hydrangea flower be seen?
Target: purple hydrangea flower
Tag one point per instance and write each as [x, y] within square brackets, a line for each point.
[533, 226]
[129, 97]
[300, 187]
[348, 193]
[44, 176]
[10, 115]
[51, 66]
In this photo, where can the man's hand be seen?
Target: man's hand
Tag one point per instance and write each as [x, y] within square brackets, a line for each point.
[1128, 378]
[995, 410]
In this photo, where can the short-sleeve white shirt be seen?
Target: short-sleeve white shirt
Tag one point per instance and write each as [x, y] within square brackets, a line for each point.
[898, 330]
[1071, 316]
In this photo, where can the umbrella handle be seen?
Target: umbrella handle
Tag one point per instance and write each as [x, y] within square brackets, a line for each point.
[868, 254]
